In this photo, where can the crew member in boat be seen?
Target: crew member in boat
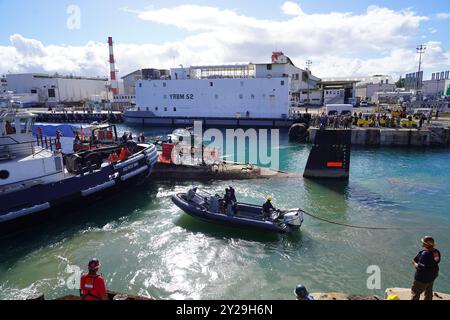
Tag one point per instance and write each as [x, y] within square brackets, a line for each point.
[77, 139]
[113, 158]
[191, 194]
[124, 154]
[268, 208]
[124, 138]
[233, 199]
[9, 128]
[92, 285]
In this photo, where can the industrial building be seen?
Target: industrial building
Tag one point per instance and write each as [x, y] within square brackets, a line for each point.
[57, 89]
[368, 87]
[339, 90]
[438, 86]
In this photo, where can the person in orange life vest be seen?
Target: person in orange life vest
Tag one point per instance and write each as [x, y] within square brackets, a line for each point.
[9, 128]
[58, 139]
[92, 285]
[113, 158]
[124, 153]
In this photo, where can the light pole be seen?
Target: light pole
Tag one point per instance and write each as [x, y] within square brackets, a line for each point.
[308, 66]
[420, 50]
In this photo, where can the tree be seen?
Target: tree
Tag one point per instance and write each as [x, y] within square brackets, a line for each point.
[400, 83]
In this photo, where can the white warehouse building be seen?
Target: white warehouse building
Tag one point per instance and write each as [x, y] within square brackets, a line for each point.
[55, 89]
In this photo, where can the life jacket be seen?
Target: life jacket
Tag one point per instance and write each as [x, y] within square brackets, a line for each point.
[124, 153]
[88, 287]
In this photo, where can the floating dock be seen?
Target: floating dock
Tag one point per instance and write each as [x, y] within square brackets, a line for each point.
[78, 117]
[375, 137]
[222, 171]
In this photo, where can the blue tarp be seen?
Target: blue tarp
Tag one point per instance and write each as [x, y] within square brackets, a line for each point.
[49, 130]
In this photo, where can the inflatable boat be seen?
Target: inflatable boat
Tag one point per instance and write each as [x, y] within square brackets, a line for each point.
[201, 205]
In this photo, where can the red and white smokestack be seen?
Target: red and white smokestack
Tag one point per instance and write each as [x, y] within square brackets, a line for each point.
[112, 65]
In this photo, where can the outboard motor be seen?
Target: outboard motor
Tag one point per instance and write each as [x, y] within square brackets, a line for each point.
[293, 219]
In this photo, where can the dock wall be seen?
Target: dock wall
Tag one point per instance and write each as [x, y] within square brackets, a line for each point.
[435, 136]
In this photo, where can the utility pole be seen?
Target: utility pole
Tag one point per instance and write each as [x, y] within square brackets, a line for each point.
[420, 50]
[308, 66]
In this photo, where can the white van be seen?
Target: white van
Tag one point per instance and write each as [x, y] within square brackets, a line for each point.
[338, 109]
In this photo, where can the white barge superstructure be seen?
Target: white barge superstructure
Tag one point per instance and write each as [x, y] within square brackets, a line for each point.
[248, 94]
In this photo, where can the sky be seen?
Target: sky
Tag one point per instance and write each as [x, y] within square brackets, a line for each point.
[341, 38]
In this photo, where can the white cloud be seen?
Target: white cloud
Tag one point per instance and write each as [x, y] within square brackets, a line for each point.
[291, 8]
[337, 43]
[443, 15]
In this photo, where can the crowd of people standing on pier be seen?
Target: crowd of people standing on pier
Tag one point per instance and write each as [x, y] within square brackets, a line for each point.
[375, 120]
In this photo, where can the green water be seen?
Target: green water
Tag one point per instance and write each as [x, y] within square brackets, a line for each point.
[148, 246]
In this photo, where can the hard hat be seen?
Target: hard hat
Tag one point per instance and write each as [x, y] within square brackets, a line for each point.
[393, 297]
[269, 198]
[301, 292]
[94, 264]
[428, 241]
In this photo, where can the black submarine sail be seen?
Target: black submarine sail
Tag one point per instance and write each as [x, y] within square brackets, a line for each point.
[330, 155]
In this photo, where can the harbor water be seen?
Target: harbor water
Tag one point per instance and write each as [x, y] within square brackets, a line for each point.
[148, 246]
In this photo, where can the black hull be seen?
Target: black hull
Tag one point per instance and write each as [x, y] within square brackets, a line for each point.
[35, 205]
[63, 208]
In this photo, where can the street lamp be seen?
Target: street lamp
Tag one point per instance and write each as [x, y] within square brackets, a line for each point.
[308, 66]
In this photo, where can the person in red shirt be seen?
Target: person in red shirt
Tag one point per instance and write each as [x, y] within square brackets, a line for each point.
[92, 285]
[113, 158]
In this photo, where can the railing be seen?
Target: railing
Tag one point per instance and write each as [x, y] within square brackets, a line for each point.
[47, 143]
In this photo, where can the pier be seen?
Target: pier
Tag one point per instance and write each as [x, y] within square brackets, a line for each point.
[78, 117]
[377, 137]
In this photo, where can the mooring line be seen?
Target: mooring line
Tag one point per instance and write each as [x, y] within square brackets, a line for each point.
[353, 226]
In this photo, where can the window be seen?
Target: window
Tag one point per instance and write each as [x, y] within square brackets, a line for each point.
[156, 108]
[241, 96]
[51, 93]
[33, 91]
[282, 83]
[297, 76]
[164, 84]
[211, 84]
[252, 97]
[148, 109]
[269, 67]
[175, 109]
[165, 109]
[140, 85]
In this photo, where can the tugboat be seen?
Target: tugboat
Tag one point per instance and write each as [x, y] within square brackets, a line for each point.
[36, 177]
[204, 206]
